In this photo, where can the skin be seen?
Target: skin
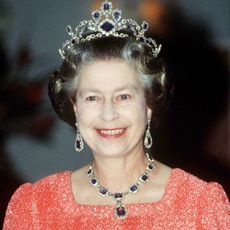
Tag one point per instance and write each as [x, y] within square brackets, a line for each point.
[111, 114]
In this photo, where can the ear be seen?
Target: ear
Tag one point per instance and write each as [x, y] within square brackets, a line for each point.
[149, 113]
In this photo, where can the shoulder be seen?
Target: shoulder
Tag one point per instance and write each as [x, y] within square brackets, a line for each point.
[188, 183]
[208, 199]
[184, 178]
[48, 186]
[29, 193]
[48, 183]
[32, 200]
[191, 190]
[52, 181]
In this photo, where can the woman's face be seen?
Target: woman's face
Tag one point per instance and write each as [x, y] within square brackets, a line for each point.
[110, 108]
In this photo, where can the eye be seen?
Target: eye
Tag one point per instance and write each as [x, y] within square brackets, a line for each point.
[92, 98]
[124, 97]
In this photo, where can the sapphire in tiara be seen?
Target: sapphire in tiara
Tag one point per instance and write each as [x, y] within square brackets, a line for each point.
[117, 15]
[96, 14]
[68, 29]
[145, 25]
[142, 39]
[106, 21]
[106, 6]
[107, 26]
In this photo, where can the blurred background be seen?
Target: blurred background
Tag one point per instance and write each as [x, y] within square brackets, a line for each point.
[194, 132]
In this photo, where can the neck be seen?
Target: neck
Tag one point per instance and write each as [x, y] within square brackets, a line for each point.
[117, 174]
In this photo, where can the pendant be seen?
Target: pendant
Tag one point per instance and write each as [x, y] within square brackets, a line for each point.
[120, 212]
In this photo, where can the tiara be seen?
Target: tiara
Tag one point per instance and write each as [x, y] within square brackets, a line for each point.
[108, 22]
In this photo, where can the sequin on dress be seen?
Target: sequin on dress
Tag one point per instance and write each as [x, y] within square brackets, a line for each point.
[188, 203]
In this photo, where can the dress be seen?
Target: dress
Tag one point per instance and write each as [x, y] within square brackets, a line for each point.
[188, 203]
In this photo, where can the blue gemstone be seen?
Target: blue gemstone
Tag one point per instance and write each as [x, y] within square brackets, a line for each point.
[144, 178]
[117, 15]
[96, 15]
[120, 211]
[103, 191]
[145, 26]
[73, 42]
[94, 181]
[107, 26]
[133, 188]
[106, 6]
[118, 195]
[142, 39]
[150, 166]
[77, 143]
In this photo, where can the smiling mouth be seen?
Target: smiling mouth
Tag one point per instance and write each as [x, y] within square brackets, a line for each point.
[111, 133]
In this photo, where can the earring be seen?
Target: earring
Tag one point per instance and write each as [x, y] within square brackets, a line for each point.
[79, 144]
[148, 141]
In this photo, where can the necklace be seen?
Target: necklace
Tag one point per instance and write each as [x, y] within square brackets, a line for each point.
[120, 211]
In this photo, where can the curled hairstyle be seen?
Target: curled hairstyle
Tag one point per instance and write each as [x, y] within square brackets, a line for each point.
[63, 82]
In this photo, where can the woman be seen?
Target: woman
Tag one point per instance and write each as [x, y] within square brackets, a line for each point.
[111, 85]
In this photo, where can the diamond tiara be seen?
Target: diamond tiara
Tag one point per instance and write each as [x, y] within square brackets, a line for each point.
[108, 22]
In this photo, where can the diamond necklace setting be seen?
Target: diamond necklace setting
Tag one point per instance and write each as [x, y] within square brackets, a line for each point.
[120, 211]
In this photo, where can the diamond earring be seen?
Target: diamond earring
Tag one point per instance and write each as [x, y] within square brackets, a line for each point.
[79, 144]
[148, 141]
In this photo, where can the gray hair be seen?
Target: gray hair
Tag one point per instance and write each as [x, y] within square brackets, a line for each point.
[63, 82]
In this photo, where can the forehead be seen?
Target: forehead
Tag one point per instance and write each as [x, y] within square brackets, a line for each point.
[108, 75]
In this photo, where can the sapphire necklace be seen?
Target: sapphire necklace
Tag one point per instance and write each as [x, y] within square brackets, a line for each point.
[120, 211]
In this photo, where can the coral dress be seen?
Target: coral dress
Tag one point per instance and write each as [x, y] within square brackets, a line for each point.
[188, 203]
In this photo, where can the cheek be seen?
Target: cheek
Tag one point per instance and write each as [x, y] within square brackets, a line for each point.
[85, 114]
[142, 109]
[136, 112]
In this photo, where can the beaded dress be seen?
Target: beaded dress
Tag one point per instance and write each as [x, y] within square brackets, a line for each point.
[187, 203]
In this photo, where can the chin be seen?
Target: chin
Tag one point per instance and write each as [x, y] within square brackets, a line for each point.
[110, 152]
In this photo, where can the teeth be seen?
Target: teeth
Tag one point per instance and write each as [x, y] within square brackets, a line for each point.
[112, 132]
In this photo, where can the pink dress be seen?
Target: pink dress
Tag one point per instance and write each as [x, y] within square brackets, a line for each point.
[188, 203]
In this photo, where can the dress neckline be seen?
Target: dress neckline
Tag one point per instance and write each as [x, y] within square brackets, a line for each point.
[165, 197]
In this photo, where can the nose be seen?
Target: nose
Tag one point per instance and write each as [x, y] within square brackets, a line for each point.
[108, 112]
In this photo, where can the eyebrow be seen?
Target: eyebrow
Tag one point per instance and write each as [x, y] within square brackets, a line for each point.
[94, 90]
[129, 87]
